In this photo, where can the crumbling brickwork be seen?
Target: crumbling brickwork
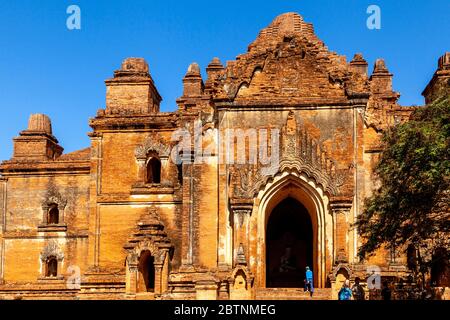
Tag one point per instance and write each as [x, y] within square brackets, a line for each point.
[160, 207]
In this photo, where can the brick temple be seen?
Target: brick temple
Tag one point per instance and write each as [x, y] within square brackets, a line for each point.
[145, 213]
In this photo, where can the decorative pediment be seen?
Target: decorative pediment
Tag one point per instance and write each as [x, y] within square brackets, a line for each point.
[52, 250]
[241, 272]
[340, 268]
[149, 236]
[152, 143]
[53, 196]
[299, 153]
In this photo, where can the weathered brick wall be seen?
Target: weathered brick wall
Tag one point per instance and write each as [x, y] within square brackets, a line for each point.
[23, 241]
[288, 80]
[120, 209]
[27, 194]
[119, 171]
[205, 209]
[125, 97]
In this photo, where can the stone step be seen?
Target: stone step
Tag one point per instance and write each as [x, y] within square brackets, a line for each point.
[292, 294]
[145, 296]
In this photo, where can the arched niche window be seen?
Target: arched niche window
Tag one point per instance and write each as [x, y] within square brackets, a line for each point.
[51, 261]
[146, 280]
[51, 267]
[153, 170]
[53, 208]
[53, 214]
[152, 159]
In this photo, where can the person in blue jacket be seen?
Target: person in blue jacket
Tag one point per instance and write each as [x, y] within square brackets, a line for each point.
[309, 287]
[345, 293]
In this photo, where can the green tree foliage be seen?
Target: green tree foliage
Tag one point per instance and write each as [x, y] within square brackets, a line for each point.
[411, 205]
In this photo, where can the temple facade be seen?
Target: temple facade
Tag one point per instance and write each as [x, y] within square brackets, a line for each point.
[259, 173]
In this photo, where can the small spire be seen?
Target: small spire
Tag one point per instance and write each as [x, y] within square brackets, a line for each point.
[215, 63]
[359, 64]
[214, 67]
[132, 67]
[193, 69]
[39, 130]
[380, 67]
[444, 62]
[135, 65]
[358, 58]
[40, 123]
[192, 81]
[381, 80]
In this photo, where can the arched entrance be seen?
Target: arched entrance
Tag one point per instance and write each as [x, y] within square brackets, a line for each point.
[146, 278]
[306, 198]
[289, 245]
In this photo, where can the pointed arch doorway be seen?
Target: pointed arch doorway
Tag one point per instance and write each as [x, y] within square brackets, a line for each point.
[291, 201]
[289, 245]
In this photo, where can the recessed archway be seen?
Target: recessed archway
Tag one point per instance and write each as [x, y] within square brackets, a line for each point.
[53, 214]
[312, 197]
[146, 278]
[153, 170]
[51, 267]
[289, 245]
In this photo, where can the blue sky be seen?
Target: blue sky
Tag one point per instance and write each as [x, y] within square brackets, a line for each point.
[46, 68]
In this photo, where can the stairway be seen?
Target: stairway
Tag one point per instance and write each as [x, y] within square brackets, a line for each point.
[292, 294]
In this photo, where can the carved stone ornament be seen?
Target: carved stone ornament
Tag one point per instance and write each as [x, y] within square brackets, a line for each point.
[149, 236]
[152, 143]
[299, 152]
[240, 215]
[133, 259]
[246, 180]
[54, 197]
[245, 272]
[240, 258]
[52, 250]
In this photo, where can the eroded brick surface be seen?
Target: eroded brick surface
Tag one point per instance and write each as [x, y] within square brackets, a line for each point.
[203, 223]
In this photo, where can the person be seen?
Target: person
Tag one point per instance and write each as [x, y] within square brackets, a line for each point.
[345, 293]
[309, 287]
[358, 290]
[386, 291]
